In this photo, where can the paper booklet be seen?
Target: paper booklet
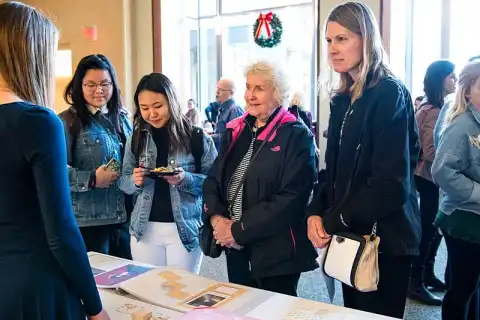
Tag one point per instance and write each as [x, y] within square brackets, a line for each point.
[173, 288]
[183, 291]
[122, 308]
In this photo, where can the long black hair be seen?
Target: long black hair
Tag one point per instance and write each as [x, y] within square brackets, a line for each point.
[433, 83]
[74, 94]
[178, 127]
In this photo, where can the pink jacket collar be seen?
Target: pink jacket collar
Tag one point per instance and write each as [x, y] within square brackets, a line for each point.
[237, 125]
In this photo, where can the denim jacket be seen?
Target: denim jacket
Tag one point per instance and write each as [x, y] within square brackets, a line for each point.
[186, 197]
[456, 168]
[95, 145]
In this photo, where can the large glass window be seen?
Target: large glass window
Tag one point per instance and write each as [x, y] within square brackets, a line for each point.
[464, 42]
[426, 41]
[214, 39]
[424, 31]
[294, 53]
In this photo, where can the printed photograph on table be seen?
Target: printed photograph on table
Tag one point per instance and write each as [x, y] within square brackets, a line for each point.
[113, 278]
[209, 299]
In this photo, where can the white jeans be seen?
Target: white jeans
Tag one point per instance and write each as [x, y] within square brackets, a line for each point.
[161, 246]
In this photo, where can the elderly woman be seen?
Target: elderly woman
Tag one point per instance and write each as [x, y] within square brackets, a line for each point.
[256, 193]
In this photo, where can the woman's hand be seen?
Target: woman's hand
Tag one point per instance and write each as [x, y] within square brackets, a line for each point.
[223, 234]
[105, 177]
[176, 179]
[139, 176]
[103, 315]
[316, 232]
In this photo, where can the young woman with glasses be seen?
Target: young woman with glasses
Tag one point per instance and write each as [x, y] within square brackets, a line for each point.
[96, 128]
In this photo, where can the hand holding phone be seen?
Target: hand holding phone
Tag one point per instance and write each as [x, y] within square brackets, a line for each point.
[113, 165]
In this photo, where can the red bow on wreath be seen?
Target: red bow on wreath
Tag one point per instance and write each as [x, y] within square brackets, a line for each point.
[264, 20]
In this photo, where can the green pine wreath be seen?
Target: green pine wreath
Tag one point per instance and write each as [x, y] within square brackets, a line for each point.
[276, 33]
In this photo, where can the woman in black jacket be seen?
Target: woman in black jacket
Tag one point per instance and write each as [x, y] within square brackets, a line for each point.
[372, 113]
[261, 221]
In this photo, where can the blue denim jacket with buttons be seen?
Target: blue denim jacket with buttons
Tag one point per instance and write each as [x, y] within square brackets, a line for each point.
[94, 146]
[186, 197]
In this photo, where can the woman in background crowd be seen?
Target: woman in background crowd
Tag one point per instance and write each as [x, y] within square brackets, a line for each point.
[167, 213]
[418, 101]
[96, 128]
[372, 148]
[44, 265]
[257, 206]
[297, 104]
[192, 114]
[438, 83]
[456, 171]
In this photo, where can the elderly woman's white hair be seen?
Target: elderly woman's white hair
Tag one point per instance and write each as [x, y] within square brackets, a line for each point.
[274, 75]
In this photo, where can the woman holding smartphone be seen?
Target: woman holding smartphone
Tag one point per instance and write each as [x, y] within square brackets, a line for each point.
[96, 128]
[167, 213]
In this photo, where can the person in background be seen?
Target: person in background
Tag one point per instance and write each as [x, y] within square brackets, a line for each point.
[260, 221]
[439, 82]
[192, 114]
[441, 117]
[211, 112]
[418, 102]
[44, 265]
[227, 110]
[372, 151]
[456, 171]
[167, 214]
[297, 104]
[96, 126]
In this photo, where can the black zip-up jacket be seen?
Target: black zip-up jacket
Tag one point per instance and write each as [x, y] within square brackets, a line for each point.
[382, 189]
[272, 229]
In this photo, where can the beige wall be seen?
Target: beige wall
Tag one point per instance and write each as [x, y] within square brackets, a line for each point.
[124, 36]
[325, 7]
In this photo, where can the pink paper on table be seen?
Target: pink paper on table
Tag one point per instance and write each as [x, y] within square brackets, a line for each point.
[212, 314]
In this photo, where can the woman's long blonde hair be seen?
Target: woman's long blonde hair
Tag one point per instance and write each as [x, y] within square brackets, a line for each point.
[468, 76]
[358, 18]
[28, 41]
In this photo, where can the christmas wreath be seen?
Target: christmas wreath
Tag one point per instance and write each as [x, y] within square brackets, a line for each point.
[273, 29]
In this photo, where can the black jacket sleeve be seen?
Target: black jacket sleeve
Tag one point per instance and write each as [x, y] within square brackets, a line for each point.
[42, 142]
[388, 187]
[289, 203]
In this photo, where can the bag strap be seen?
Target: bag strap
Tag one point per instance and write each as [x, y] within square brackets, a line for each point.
[355, 163]
[253, 158]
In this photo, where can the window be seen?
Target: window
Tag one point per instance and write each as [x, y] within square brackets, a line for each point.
[63, 64]
[236, 6]
[214, 39]
[294, 53]
[422, 32]
[427, 40]
[464, 43]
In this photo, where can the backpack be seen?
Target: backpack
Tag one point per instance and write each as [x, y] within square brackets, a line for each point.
[72, 124]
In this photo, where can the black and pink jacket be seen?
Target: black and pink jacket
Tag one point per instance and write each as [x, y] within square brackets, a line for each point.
[276, 193]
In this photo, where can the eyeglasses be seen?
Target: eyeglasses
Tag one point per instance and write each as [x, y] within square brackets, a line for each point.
[92, 87]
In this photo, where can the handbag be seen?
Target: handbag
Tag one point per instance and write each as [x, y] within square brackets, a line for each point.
[208, 243]
[351, 258]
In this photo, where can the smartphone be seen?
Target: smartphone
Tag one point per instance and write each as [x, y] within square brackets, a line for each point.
[113, 165]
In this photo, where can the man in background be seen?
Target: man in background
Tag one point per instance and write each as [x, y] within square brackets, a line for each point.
[227, 109]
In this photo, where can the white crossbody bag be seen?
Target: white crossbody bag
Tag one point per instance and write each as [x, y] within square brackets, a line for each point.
[350, 258]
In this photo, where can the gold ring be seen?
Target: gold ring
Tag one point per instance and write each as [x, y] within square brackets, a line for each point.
[217, 242]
